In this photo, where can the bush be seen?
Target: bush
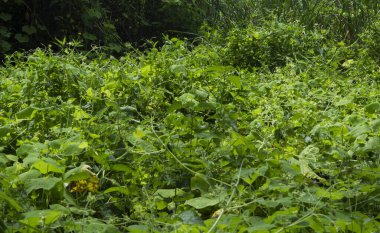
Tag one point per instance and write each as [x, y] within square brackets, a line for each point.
[371, 39]
[271, 45]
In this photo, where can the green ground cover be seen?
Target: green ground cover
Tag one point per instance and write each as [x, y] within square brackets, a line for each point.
[264, 129]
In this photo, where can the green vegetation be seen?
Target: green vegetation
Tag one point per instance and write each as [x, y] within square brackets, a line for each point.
[265, 122]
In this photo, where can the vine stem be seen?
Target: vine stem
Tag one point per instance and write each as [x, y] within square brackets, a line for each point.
[228, 202]
[182, 164]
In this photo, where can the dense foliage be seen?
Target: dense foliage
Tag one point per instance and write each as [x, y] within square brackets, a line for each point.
[116, 24]
[271, 126]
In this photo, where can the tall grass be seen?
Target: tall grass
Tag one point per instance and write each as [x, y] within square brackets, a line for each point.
[347, 18]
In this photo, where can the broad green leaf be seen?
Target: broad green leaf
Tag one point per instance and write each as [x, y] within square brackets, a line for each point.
[146, 70]
[160, 204]
[41, 217]
[373, 107]
[31, 174]
[139, 133]
[260, 226]
[72, 148]
[26, 113]
[202, 94]
[359, 130]
[190, 217]
[12, 203]
[94, 225]
[169, 193]
[63, 209]
[333, 195]
[79, 114]
[316, 224]
[138, 229]
[45, 166]
[83, 145]
[45, 183]
[29, 29]
[203, 202]
[290, 212]
[178, 69]
[3, 159]
[34, 150]
[90, 93]
[188, 100]
[119, 189]
[346, 100]
[22, 38]
[201, 183]
[219, 69]
[78, 173]
[376, 125]
[235, 80]
[4, 130]
[268, 203]
[308, 172]
[121, 168]
[373, 144]
[89, 36]
[13, 158]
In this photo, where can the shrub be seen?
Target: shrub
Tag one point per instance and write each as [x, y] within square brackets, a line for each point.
[271, 45]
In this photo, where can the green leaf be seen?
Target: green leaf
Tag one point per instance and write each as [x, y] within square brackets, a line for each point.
[344, 101]
[373, 107]
[315, 224]
[121, 168]
[235, 80]
[4, 130]
[47, 165]
[146, 70]
[333, 195]
[187, 100]
[201, 183]
[72, 148]
[31, 174]
[27, 113]
[203, 202]
[21, 38]
[169, 193]
[45, 183]
[376, 125]
[259, 225]
[139, 133]
[29, 29]
[190, 217]
[13, 203]
[41, 217]
[89, 36]
[94, 225]
[373, 144]
[75, 174]
[138, 229]
[119, 189]
[178, 69]
[268, 203]
[282, 213]
[359, 130]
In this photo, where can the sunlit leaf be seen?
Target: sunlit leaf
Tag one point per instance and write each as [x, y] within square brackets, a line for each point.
[45, 183]
[203, 202]
[41, 217]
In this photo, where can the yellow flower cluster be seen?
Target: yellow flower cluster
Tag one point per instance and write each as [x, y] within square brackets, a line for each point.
[91, 185]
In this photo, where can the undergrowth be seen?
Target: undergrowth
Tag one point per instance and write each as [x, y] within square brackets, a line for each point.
[272, 129]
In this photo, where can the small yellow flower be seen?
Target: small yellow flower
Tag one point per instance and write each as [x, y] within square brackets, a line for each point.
[91, 184]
